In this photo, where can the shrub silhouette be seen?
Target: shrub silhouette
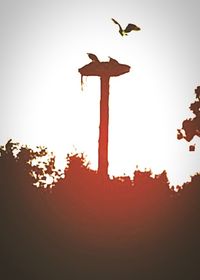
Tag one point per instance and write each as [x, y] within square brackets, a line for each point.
[83, 228]
[20, 165]
[191, 126]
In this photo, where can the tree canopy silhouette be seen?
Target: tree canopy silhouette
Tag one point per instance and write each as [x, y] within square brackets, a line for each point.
[83, 228]
[20, 164]
[191, 126]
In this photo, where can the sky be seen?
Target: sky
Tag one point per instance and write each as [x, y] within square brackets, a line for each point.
[44, 43]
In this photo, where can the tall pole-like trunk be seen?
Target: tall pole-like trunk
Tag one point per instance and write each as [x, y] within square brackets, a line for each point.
[104, 70]
[103, 128]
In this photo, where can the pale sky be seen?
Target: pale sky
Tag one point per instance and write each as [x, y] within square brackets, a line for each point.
[43, 43]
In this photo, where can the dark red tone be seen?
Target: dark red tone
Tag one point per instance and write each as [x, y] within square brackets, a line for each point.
[104, 70]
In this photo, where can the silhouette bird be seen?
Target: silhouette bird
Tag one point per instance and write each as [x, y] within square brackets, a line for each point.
[93, 57]
[112, 60]
[130, 27]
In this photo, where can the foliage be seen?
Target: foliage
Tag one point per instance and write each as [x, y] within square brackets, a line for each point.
[191, 126]
[20, 164]
[84, 228]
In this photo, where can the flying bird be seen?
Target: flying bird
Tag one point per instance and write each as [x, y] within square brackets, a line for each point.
[130, 27]
[93, 57]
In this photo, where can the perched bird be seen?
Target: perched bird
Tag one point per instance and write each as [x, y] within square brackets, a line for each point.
[112, 60]
[93, 57]
[130, 27]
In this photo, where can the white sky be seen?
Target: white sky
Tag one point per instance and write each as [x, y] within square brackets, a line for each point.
[43, 43]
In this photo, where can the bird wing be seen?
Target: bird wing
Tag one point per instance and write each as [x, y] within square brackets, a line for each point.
[116, 23]
[130, 27]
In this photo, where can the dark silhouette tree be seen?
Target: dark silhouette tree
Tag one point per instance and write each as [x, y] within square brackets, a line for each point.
[191, 126]
[76, 230]
[77, 167]
[21, 165]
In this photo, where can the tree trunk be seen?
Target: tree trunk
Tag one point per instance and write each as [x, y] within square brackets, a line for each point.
[103, 128]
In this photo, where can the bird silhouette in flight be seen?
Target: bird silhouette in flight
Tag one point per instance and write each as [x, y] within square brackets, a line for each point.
[130, 27]
[93, 57]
